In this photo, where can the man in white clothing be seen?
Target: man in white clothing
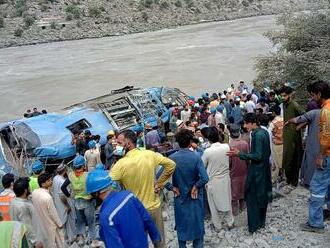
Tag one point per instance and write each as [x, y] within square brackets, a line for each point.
[49, 223]
[250, 105]
[219, 187]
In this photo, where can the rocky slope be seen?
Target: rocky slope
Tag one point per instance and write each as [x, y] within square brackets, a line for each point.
[25, 22]
[282, 227]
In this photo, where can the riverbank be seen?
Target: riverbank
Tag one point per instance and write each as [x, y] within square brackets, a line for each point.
[33, 22]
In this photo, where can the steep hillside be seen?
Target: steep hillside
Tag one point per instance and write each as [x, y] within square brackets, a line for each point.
[29, 22]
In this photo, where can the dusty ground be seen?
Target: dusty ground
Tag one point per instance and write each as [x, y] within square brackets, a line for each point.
[282, 228]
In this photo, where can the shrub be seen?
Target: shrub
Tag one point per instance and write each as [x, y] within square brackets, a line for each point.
[2, 22]
[53, 25]
[74, 10]
[145, 16]
[69, 17]
[18, 32]
[94, 11]
[178, 4]
[20, 7]
[146, 3]
[28, 21]
[164, 5]
[43, 7]
[79, 24]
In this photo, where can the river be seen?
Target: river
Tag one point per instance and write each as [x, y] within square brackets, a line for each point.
[196, 58]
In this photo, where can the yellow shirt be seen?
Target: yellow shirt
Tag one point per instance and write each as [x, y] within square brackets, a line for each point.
[136, 172]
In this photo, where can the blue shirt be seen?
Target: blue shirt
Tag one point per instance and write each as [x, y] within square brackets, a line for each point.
[125, 223]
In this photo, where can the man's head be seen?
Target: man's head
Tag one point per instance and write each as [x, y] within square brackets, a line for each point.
[21, 187]
[320, 91]
[45, 180]
[127, 139]
[213, 135]
[263, 120]
[184, 137]
[234, 131]
[277, 110]
[272, 96]
[8, 181]
[250, 121]
[241, 83]
[61, 169]
[28, 111]
[35, 109]
[286, 93]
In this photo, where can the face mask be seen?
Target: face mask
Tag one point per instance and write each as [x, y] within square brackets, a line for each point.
[120, 150]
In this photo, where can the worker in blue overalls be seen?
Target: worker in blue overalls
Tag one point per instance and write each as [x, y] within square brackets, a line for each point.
[124, 222]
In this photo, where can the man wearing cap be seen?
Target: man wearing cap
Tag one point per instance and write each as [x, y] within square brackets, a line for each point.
[7, 195]
[136, 172]
[37, 168]
[83, 203]
[124, 222]
[242, 86]
[152, 137]
[92, 156]
[63, 204]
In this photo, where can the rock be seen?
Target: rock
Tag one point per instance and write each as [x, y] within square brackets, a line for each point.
[261, 243]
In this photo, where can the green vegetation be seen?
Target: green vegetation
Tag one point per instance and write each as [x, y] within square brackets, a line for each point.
[94, 11]
[18, 32]
[178, 4]
[53, 25]
[20, 7]
[2, 22]
[302, 51]
[164, 5]
[146, 3]
[28, 21]
[72, 11]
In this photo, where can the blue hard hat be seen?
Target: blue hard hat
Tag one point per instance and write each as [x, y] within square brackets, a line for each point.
[213, 110]
[220, 108]
[92, 144]
[37, 166]
[78, 161]
[97, 180]
[100, 166]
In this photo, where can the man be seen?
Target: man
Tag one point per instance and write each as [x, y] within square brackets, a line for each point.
[152, 137]
[64, 205]
[185, 114]
[13, 234]
[21, 209]
[258, 188]
[37, 168]
[49, 223]
[249, 105]
[218, 188]
[242, 86]
[35, 112]
[238, 169]
[220, 116]
[211, 121]
[312, 150]
[84, 206]
[124, 222]
[292, 141]
[136, 172]
[236, 112]
[320, 183]
[109, 150]
[189, 179]
[273, 102]
[81, 146]
[7, 195]
[263, 106]
[92, 156]
[276, 130]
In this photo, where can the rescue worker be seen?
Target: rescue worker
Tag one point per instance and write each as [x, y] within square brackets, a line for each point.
[83, 203]
[13, 234]
[37, 169]
[123, 219]
[7, 195]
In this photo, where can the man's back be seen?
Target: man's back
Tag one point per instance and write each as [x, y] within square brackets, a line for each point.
[216, 161]
[136, 172]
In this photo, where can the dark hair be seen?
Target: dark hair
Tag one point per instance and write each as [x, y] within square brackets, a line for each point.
[231, 119]
[248, 97]
[96, 137]
[272, 93]
[213, 135]
[277, 110]
[188, 123]
[44, 177]
[321, 87]
[205, 132]
[221, 126]
[7, 179]
[20, 185]
[109, 137]
[130, 135]
[26, 115]
[263, 120]
[250, 118]
[286, 89]
[44, 111]
[184, 137]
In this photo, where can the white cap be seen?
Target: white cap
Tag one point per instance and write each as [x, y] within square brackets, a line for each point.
[223, 96]
[230, 89]
[238, 99]
[244, 92]
[179, 122]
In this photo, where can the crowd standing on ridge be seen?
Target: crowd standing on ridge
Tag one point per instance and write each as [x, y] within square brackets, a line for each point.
[220, 154]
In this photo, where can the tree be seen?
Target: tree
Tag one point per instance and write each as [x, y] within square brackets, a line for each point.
[302, 51]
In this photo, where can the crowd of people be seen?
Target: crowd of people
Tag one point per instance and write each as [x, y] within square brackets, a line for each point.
[34, 112]
[220, 154]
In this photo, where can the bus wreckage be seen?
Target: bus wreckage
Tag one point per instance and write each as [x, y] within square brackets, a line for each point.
[49, 136]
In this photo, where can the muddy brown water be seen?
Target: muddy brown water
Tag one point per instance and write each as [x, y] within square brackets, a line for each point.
[196, 58]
